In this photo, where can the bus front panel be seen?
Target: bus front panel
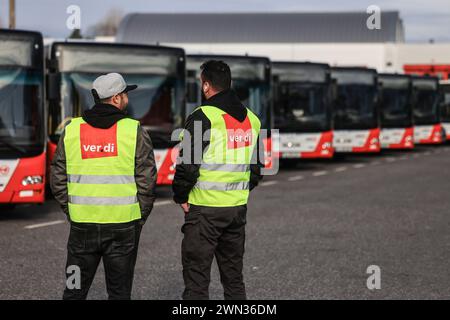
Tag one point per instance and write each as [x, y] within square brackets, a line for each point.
[22, 126]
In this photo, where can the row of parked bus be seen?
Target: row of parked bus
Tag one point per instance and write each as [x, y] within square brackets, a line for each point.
[318, 110]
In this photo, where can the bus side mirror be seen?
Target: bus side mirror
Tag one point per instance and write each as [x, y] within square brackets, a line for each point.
[414, 94]
[275, 87]
[53, 82]
[192, 92]
[441, 96]
[334, 90]
[379, 94]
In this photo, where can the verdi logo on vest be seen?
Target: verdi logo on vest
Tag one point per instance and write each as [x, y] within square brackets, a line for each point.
[98, 143]
[239, 134]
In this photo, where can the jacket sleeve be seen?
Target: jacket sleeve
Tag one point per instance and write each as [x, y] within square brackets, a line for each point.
[187, 170]
[58, 176]
[257, 165]
[145, 172]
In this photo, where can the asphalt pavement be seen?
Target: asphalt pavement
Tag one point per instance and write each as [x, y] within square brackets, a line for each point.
[312, 232]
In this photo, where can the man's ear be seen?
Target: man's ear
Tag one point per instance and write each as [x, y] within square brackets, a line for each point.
[115, 99]
[95, 95]
[206, 86]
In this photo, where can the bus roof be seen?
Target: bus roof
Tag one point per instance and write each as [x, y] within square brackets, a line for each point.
[21, 33]
[353, 69]
[394, 75]
[303, 72]
[301, 64]
[21, 48]
[228, 57]
[173, 50]
[425, 82]
[354, 75]
[419, 78]
[101, 57]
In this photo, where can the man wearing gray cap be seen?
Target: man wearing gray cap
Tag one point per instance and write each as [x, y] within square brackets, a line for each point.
[103, 175]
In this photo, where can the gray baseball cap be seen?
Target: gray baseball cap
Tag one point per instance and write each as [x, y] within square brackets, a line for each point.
[110, 84]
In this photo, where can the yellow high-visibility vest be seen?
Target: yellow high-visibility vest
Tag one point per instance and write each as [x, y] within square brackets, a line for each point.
[225, 168]
[100, 172]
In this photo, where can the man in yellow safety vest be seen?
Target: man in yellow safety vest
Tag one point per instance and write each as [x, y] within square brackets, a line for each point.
[217, 168]
[103, 175]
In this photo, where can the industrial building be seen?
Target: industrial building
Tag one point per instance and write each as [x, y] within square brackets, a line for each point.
[337, 38]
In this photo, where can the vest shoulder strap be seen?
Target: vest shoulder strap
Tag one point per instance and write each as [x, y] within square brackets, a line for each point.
[75, 121]
[211, 111]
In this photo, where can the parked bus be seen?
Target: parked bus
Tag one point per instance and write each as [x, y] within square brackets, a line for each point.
[158, 102]
[427, 122]
[22, 118]
[251, 81]
[303, 109]
[396, 108]
[445, 106]
[356, 110]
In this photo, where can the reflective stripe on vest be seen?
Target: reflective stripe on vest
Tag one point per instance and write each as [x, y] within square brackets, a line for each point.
[225, 169]
[103, 201]
[222, 186]
[96, 179]
[100, 172]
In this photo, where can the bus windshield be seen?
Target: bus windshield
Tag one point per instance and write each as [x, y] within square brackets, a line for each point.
[355, 105]
[21, 101]
[301, 107]
[250, 80]
[426, 108]
[396, 108]
[158, 101]
[301, 97]
[254, 95]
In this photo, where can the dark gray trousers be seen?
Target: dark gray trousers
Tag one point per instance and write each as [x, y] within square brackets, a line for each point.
[209, 232]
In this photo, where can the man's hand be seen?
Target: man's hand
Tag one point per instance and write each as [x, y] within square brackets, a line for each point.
[185, 207]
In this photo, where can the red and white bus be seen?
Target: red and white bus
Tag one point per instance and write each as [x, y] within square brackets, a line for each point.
[302, 95]
[251, 81]
[396, 108]
[158, 103]
[22, 118]
[356, 111]
[427, 124]
[445, 106]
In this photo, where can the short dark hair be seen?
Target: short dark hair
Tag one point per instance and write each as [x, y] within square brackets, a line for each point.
[217, 73]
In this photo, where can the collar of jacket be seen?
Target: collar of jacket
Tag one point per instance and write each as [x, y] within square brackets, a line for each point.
[229, 102]
[103, 115]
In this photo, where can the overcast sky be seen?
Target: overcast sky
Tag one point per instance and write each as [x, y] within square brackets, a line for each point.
[423, 19]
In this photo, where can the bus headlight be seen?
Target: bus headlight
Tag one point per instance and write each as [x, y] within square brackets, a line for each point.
[32, 180]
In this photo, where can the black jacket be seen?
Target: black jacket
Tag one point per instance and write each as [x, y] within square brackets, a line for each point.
[104, 116]
[186, 174]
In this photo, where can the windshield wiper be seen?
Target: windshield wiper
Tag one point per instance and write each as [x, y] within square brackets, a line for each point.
[12, 146]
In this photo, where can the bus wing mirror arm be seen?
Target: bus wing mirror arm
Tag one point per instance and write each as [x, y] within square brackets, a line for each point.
[53, 83]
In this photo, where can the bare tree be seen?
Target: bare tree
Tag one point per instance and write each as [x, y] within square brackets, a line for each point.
[76, 34]
[108, 25]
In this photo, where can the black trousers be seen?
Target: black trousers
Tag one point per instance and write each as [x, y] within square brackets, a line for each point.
[117, 244]
[209, 232]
